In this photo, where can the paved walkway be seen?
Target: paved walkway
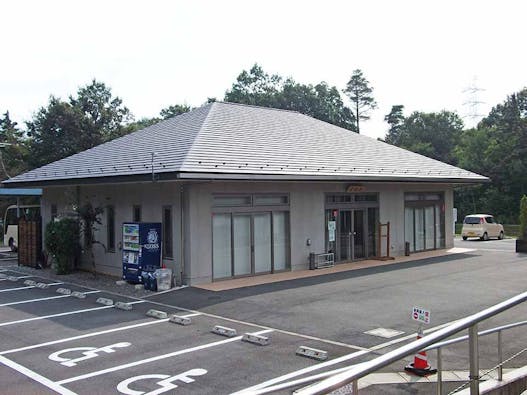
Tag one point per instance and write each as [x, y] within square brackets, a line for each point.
[225, 285]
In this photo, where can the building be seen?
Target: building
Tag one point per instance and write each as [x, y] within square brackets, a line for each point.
[244, 190]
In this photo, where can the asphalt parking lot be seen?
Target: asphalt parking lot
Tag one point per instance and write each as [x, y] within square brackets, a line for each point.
[75, 345]
[55, 343]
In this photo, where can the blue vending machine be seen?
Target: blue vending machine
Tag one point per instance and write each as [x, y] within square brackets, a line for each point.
[141, 249]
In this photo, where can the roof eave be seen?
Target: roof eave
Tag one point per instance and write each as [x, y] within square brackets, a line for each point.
[172, 176]
[308, 177]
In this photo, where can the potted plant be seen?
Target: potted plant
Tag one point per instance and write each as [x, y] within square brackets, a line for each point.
[521, 241]
[62, 244]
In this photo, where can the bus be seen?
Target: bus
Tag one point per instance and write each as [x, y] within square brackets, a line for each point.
[11, 216]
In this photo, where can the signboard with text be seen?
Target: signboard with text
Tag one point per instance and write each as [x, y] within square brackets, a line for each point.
[421, 315]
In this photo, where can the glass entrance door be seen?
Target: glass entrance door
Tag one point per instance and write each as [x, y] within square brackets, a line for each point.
[358, 234]
[345, 233]
[241, 232]
[262, 242]
[351, 232]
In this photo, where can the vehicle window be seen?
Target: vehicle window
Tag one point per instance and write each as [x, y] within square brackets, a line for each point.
[471, 220]
[489, 220]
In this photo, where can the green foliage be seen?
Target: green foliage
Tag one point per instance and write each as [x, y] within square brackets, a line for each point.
[321, 101]
[431, 134]
[395, 119]
[523, 217]
[63, 128]
[13, 157]
[90, 217]
[497, 148]
[172, 111]
[62, 243]
[360, 93]
[165, 113]
[255, 87]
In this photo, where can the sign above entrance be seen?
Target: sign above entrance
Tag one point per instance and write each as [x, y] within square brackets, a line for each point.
[355, 188]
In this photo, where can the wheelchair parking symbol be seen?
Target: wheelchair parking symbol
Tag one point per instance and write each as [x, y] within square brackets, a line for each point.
[86, 352]
[166, 382]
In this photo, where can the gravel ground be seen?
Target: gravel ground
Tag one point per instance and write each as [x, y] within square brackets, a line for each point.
[101, 281]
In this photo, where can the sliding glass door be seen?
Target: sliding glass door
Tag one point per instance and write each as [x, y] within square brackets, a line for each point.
[249, 243]
[424, 227]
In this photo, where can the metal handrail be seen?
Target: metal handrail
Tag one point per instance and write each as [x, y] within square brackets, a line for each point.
[323, 375]
[482, 333]
[355, 373]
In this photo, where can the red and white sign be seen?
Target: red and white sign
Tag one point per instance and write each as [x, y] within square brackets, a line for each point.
[421, 315]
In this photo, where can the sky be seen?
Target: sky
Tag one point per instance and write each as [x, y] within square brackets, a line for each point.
[421, 54]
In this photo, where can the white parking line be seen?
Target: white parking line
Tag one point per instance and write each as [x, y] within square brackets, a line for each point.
[335, 343]
[335, 361]
[300, 372]
[18, 278]
[122, 328]
[61, 314]
[156, 358]
[28, 287]
[42, 299]
[35, 376]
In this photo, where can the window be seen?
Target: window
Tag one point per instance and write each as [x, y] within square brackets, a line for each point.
[136, 214]
[350, 198]
[366, 198]
[409, 197]
[110, 228]
[168, 251]
[489, 220]
[270, 200]
[225, 201]
[53, 212]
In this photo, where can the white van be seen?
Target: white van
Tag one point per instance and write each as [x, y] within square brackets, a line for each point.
[483, 226]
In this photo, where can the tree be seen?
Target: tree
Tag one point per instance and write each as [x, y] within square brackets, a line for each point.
[172, 111]
[360, 93]
[255, 87]
[497, 148]
[320, 101]
[63, 128]
[55, 132]
[102, 114]
[395, 119]
[13, 156]
[431, 134]
[90, 218]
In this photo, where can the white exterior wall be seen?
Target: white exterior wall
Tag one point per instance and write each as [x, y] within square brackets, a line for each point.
[151, 197]
[307, 210]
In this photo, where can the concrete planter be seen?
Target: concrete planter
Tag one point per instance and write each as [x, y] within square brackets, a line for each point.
[521, 245]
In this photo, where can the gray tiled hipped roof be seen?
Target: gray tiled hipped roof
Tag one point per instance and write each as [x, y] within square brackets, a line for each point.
[226, 140]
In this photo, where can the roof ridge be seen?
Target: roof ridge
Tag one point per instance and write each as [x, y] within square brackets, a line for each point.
[189, 150]
[255, 106]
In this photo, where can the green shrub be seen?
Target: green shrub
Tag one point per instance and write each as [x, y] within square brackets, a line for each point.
[62, 243]
[523, 218]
